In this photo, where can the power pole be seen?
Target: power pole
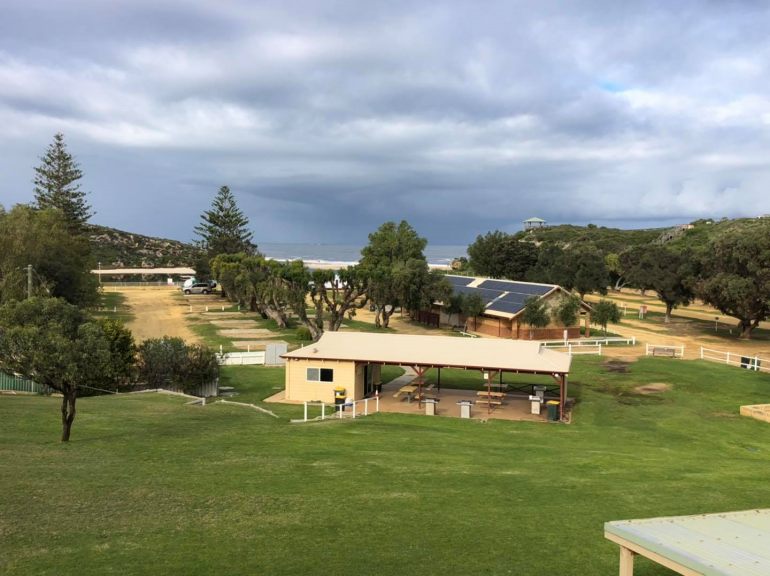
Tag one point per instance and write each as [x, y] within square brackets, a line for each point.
[29, 280]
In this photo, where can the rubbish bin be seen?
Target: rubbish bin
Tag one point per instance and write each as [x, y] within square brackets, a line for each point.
[339, 398]
[430, 406]
[553, 410]
[465, 408]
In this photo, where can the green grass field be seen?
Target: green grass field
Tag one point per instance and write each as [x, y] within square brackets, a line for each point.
[150, 485]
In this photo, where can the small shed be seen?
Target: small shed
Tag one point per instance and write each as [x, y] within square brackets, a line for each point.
[728, 544]
[352, 360]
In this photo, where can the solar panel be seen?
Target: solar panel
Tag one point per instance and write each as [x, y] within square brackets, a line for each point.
[505, 306]
[486, 295]
[459, 280]
[518, 287]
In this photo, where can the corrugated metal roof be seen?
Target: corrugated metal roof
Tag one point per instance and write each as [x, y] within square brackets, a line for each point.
[727, 544]
[442, 351]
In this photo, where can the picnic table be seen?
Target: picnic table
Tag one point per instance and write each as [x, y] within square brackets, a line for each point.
[490, 398]
[408, 390]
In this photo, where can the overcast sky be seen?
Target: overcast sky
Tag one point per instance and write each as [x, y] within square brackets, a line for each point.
[328, 118]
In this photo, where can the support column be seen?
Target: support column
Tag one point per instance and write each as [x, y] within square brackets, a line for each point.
[626, 562]
[562, 395]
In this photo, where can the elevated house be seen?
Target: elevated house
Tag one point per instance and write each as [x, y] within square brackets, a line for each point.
[504, 302]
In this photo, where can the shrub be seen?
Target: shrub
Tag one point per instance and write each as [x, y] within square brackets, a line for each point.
[170, 363]
[303, 334]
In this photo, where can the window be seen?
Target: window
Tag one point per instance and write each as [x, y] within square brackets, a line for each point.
[320, 375]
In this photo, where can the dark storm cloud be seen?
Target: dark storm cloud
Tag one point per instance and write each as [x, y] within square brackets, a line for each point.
[329, 118]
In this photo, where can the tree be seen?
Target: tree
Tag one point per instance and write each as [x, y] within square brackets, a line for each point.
[224, 228]
[122, 352]
[56, 185]
[670, 274]
[61, 262]
[393, 262]
[568, 310]
[336, 294]
[57, 345]
[535, 314]
[590, 270]
[472, 305]
[501, 255]
[605, 311]
[736, 276]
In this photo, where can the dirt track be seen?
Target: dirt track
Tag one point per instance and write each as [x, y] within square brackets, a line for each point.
[157, 312]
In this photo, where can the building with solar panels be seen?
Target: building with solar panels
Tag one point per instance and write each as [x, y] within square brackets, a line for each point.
[504, 301]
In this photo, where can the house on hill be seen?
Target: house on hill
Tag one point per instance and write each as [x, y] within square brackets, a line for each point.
[532, 223]
[504, 302]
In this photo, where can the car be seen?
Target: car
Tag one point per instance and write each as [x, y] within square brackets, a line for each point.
[198, 288]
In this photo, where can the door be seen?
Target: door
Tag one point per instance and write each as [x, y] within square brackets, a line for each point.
[368, 385]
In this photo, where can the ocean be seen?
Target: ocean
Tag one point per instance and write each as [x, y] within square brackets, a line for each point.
[349, 254]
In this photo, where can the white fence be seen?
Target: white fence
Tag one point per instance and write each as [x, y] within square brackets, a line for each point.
[588, 342]
[740, 359]
[575, 349]
[270, 356]
[339, 411]
[670, 350]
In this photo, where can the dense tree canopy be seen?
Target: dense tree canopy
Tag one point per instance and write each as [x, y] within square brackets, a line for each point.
[56, 185]
[60, 261]
[736, 276]
[224, 229]
[500, 255]
[604, 312]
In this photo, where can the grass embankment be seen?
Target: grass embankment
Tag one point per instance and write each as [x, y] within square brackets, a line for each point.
[150, 486]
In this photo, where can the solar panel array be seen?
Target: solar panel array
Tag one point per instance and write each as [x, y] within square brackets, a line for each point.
[517, 287]
[486, 295]
[459, 280]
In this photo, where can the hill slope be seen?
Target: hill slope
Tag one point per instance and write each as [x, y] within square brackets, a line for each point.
[118, 248]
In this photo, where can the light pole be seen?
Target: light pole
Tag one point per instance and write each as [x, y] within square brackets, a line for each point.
[716, 323]
[100, 273]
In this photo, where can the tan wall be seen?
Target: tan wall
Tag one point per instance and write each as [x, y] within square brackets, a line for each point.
[346, 374]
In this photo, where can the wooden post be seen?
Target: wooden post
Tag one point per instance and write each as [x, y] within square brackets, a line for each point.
[305, 411]
[562, 394]
[626, 562]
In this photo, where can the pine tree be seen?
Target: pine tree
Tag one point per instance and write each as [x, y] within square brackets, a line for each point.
[56, 184]
[224, 228]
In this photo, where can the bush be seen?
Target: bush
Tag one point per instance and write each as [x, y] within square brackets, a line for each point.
[303, 334]
[170, 363]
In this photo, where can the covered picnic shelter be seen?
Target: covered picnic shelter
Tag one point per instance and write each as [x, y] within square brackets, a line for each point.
[352, 360]
[727, 544]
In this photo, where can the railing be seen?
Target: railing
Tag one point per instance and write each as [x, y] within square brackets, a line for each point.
[670, 350]
[354, 409]
[740, 359]
[589, 342]
[576, 350]
[12, 383]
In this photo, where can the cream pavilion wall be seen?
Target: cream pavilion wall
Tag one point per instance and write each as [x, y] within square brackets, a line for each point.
[348, 375]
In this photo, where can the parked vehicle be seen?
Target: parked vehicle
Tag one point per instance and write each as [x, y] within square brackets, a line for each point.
[198, 288]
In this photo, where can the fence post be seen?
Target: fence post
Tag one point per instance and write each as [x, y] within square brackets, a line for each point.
[323, 411]
[378, 402]
[701, 352]
[600, 349]
[305, 411]
[727, 361]
[756, 363]
[366, 406]
[633, 340]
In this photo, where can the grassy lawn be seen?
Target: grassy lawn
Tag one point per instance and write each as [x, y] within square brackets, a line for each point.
[150, 485]
[113, 305]
[726, 329]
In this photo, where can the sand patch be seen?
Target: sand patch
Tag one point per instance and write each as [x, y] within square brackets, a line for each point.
[222, 314]
[234, 323]
[245, 332]
[256, 344]
[654, 388]
[616, 365]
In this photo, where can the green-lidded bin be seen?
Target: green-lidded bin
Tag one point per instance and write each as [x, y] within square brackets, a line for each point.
[553, 410]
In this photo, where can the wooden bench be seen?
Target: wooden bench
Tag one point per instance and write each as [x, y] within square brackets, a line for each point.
[664, 351]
